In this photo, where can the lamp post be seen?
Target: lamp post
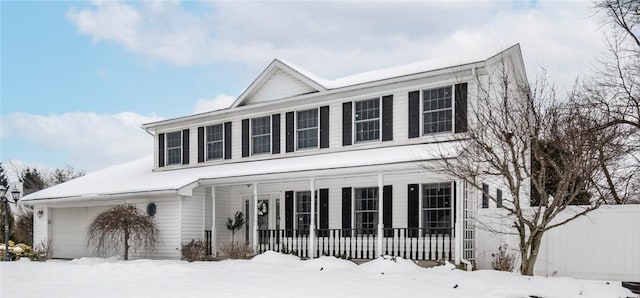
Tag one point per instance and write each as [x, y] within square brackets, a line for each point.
[15, 194]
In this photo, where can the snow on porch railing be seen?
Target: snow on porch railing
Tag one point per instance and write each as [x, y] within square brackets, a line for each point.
[410, 243]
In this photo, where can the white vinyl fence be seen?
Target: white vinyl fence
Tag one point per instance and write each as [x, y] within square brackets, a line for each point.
[605, 244]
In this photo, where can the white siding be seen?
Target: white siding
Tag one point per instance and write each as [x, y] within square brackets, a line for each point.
[40, 225]
[400, 115]
[193, 216]
[335, 125]
[280, 85]
[193, 145]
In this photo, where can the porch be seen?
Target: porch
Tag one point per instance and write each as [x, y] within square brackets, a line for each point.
[418, 215]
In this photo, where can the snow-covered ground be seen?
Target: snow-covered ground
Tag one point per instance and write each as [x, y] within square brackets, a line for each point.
[276, 275]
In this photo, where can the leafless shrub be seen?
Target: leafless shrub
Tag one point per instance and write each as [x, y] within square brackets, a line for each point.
[502, 260]
[194, 250]
[122, 225]
[237, 251]
[43, 251]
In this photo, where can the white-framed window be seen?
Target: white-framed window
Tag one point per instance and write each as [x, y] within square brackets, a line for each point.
[261, 135]
[437, 110]
[436, 207]
[307, 128]
[303, 211]
[174, 148]
[215, 141]
[366, 210]
[367, 120]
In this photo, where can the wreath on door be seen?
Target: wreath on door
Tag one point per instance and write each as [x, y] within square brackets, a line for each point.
[263, 208]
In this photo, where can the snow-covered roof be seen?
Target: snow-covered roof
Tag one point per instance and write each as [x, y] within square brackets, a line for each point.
[137, 177]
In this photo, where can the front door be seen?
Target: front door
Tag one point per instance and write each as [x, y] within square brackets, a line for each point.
[263, 220]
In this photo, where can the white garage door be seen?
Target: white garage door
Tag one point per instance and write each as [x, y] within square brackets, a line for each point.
[69, 230]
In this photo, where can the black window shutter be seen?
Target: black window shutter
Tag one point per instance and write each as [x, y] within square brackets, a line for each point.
[346, 124]
[387, 118]
[227, 140]
[324, 127]
[185, 147]
[201, 144]
[245, 137]
[324, 213]
[161, 150]
[387, 212]
[288, 213]
[346, 211]
[485, 195]
[461, 107]
[414, 114]
[275, 133]
[413, 212]
[290, 132]
[499, 198]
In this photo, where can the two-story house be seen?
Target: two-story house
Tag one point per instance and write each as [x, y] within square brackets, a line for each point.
[343, 167]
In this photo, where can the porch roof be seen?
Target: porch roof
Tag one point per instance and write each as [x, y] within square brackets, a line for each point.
[136, 177]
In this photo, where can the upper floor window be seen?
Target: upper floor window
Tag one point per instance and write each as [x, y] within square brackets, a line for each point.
[437, 110]
[174, 148]
[261, 135]
[215, 146]
[366, 210]
[367, 120]
[307, 128]
[436, 207]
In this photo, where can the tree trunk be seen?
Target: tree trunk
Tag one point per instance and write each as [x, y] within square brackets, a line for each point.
[530, 257]
[126, 245]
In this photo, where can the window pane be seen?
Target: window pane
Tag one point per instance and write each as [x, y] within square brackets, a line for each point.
[436, 207]
[261, 135]
[214, 133]
[214, 141]
[174, 148]
[367, 120]
[366, 210]
[303, 211]
[307, 129]
[437, 114]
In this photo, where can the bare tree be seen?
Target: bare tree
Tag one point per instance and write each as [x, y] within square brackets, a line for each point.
[522, 138]
[121, 225]
[611, 98]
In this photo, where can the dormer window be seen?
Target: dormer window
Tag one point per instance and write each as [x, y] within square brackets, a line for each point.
[261, 135]
[367, 120]
[174, 148]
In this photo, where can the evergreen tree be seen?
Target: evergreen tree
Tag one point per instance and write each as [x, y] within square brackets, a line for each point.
[32, 181]
[4, 181]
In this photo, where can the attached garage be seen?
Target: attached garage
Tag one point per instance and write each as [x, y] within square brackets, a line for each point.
[69, 230]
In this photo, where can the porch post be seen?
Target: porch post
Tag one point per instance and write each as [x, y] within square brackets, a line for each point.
[255, 217]
[312, 225]
[380, 212]
[214, 248]
[459, 241]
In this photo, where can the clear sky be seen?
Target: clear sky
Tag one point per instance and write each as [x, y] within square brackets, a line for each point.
[78, 78]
